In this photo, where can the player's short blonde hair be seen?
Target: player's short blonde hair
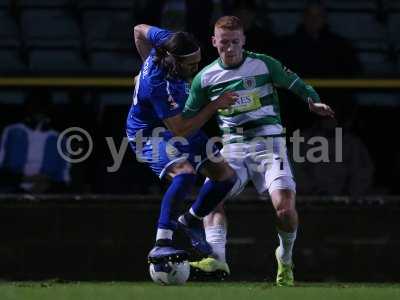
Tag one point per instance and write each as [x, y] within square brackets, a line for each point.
[229, 23]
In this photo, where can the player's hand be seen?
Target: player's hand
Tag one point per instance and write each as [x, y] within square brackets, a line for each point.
[321, 109]
[226, 100]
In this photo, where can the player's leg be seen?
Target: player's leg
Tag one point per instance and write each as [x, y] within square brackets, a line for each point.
[221, 180]
[216, 227]
[212, 193]
[182, 176]
[215, 223]
[282, 189]
[287, 222]
[214, 266]
[270, 171]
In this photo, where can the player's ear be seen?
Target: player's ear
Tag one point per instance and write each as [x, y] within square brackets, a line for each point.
[214, 41]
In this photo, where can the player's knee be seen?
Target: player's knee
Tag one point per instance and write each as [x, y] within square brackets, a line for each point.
[287, 215]
[225, 172]
[180, 168]
[220, 208]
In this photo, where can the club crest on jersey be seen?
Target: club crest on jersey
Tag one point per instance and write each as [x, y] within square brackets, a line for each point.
[172, 104]
[249, 83]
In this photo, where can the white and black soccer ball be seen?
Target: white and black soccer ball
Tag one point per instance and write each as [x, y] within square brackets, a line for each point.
[170, 273]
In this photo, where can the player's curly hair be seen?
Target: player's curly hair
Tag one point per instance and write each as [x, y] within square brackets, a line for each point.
[181, 43]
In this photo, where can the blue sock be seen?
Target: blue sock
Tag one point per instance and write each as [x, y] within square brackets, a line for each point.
[173, 198]
[211, 194]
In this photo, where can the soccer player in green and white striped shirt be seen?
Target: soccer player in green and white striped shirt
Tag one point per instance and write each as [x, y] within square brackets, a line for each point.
[253, 136]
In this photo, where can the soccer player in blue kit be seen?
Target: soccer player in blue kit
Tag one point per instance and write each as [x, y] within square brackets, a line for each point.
[162, 87]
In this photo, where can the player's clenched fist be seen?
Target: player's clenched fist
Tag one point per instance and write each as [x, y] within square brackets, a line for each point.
[226, 100]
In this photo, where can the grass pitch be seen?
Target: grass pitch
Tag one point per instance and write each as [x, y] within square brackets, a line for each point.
[193, 291]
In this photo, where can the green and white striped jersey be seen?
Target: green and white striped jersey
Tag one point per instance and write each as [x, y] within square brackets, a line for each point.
[256, 112]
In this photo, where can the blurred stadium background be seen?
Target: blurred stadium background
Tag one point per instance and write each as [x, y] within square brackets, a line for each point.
[99, 226]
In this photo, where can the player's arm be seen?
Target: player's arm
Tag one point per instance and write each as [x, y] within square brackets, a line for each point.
[180, 125]
[148, 37]
[285, 78]
[143, 45]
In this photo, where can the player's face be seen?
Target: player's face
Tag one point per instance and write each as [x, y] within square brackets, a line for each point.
[188, 66]
[229, 44]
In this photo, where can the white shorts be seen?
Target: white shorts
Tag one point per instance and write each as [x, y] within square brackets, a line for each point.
[264, 161]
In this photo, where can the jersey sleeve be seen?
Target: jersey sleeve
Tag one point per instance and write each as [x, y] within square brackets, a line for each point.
[163, 103]
[285, 78]
[158, 36]
[197, 98]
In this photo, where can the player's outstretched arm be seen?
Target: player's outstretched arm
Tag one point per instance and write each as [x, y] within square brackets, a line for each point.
[143, 45]
[284, 77]
[181, 126]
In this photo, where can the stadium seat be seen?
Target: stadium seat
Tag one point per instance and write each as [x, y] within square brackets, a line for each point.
[353, 5]
[10, 61]
[4, 4]
[108, 29]
[106, 4]
[60, 97]
[376, 63]
[393, 5]
[44, 3]
[299, 5]
[56, 61]
[371, 45]
[116, 98]
[9, 34]
[115, 62]
[356, 25]
[12, 97]
[377, 99]
[285, 22]
[289, 5]
[394, 26]
[49, 28]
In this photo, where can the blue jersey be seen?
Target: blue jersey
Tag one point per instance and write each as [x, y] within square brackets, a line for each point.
[157, 96]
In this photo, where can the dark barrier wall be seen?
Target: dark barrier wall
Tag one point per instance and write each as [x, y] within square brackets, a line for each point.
[108, 238]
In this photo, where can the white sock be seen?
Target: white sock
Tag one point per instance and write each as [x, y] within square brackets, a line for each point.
[164, 234]
[286, 242]
[216, 237]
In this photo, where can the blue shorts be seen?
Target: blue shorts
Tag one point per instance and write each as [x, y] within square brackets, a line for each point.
[159, 153]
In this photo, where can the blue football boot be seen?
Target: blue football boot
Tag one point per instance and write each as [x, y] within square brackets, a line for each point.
[195, 232]
[161, 254]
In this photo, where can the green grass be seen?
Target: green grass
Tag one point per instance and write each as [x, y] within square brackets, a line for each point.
[194, 291]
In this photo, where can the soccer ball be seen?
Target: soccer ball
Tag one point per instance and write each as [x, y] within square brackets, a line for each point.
[170, 273]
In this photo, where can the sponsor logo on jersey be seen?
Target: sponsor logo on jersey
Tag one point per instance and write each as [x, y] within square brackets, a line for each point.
[244, 100]
[249, 83]
[172, 104]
